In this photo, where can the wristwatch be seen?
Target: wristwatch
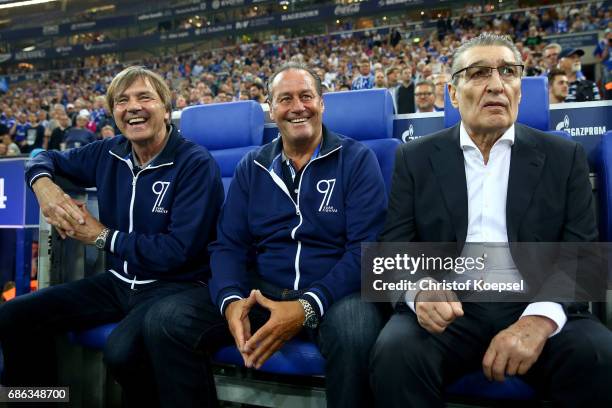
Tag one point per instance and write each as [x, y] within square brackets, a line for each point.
[100, 241]
[311, 321]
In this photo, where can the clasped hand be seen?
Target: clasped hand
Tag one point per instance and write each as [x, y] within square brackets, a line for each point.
[286, 319]
[68, 216]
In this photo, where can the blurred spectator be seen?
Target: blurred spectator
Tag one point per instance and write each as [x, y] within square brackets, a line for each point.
[90, 125]
[404, 96]
[107, 132]
[71, 112]
[4, 130]
[181, 102]
[440, 82]
[365, 79]
[55, 113]
[424, 72]
[12, 148]
[604, 56]
[551, 56]
[56, 140]
[43, 118]
[580, 90]
[99, 115]
[3, 150]
[392, 77]
[394, 37]
[79, 135]
[35, 135]
[424, 96]
[206, 98]
[19, 129]
[558, 86]
[257, 93]
[379, 79]
[533, 38]
[7, 119]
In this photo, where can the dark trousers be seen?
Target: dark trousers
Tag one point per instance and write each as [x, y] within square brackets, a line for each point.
[411, 367]
[185, 327]
[29, 323]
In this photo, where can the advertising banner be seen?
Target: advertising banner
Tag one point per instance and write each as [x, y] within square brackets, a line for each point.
[18, 205]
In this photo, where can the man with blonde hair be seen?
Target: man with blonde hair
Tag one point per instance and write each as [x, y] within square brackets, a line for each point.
[159, 196]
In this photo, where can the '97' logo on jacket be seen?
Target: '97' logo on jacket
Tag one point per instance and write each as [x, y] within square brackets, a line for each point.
[160, 188]
[326, 187]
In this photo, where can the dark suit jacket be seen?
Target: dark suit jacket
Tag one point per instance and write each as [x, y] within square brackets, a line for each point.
[549, 194]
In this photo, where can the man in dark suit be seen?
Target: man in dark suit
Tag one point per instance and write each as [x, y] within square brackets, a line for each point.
[490, 180]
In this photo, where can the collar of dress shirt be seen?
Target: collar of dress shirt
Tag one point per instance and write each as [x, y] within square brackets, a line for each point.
[466, 141]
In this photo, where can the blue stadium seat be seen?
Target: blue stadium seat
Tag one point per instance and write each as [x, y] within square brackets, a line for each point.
[296, 357]
[476, 385]
[366, 116]
[560, 133]
[93, 338]
[533, 109]
[228, 131]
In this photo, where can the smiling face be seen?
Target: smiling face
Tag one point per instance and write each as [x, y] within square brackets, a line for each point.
[296, 107]
[140, 113]
[488, 105]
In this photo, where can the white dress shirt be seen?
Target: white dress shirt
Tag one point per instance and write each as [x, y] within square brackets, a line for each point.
[487, 188]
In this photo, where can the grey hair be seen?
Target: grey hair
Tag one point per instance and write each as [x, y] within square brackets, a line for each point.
[554, 45]
[484, 40]
[298, 66]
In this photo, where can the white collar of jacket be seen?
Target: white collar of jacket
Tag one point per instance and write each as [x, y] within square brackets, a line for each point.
[272, 150]
[123, 148]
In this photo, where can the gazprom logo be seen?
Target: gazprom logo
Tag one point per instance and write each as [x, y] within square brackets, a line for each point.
[564, 125]
[408, 134]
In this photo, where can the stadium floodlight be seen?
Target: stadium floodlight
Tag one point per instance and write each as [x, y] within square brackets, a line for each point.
[24, 3]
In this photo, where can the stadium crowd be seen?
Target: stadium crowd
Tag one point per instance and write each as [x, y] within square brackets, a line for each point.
[67, 108]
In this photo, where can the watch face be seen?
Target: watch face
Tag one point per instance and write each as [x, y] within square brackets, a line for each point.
[100, 243]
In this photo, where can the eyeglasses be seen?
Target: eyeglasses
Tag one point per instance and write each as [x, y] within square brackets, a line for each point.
[423, 94]
[478, 73]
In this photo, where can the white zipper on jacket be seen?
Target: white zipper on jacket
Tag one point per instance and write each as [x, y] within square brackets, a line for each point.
[281, 184]
[132, 199]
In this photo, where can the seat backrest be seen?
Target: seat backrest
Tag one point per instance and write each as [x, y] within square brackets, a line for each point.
[561, 133]
[227, 130]
[533, 109]
[367, 116]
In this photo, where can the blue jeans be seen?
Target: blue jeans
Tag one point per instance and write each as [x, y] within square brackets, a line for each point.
[181, 330]
[29, 323]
